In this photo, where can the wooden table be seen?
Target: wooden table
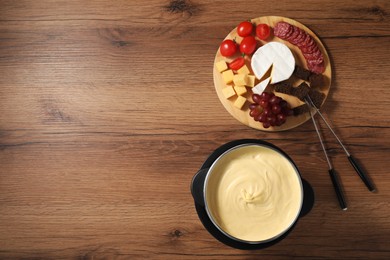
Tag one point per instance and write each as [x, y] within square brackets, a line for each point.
[108, 108]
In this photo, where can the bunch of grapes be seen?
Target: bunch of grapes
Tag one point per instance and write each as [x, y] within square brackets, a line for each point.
[269, 109]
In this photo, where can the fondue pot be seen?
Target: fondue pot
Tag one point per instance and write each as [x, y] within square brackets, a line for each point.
[203, 186]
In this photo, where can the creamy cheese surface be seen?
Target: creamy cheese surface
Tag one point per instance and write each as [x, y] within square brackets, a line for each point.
[253, 193]
[277, 55]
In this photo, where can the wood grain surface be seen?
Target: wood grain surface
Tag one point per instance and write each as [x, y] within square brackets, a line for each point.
[108, 108]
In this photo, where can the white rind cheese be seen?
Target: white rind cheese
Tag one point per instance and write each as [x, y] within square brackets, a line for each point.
[277, 55]
[259, 88]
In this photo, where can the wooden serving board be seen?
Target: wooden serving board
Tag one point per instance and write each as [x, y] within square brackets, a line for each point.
[243, 114]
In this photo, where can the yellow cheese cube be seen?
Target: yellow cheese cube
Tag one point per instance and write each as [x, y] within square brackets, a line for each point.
[243, 70]
[250, 81]
[221, 66]
[240, 90]
[228, 91]
[240, 101]
[227, 76]
[239, 79]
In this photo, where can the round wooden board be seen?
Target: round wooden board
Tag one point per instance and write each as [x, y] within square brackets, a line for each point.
[242, 115]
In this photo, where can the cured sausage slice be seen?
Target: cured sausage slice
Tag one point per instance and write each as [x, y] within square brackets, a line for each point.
[293, 36]
[302, 34]
[305, 42]
[309, 49]
[317, 68]
[313, 56]
[283, 29]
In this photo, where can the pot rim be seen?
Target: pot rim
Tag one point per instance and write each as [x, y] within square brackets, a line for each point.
[279, 151]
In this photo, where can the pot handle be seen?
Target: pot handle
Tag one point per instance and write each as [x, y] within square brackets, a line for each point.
[308, 198]
[197, 185]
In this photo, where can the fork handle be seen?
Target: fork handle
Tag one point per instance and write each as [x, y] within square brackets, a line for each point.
[361, 173]
[337, 188]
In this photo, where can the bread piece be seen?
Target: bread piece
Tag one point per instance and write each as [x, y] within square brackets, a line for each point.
[301, 73]
[301, 91]
[284, 87]
[317, 97]
[316, 80]
[300, 109]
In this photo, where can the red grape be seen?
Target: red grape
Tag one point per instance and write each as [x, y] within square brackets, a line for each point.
[265, 96]
[281, 117]
[263, 103]
[256, 98]
[267, 111]
[266, 125]
[276, 109]
[262, 118]
[271, 119]
[275, 100]
[254, 113]
[253, 106]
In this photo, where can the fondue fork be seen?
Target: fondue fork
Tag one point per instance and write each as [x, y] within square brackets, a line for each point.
[332, 172]
[351, 159]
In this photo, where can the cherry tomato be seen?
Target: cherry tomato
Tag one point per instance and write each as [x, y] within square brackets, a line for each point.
[263, 31]
[248, 45]
[244, 28]
[228, 48]
[236, 64]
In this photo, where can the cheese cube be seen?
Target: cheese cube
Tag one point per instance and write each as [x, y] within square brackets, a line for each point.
[227, 76]
[221, 66]
[240, 101]
[250, 81]
[228, 91]
[240, 90]
[239, 79]
[243, 70]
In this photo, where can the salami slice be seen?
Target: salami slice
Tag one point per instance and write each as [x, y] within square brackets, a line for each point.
[317, 54]
[317, 68]
[294, 34]
[309, 49]
[283, 30]
[311, 42]
[316, 61]
[313, 56]
[305, 42]
[300, 37]
[290, 31]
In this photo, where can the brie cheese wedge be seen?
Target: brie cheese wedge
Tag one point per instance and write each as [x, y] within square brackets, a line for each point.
[259, 88]
[275, 55]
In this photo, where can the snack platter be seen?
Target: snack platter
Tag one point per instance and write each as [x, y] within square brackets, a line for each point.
[242, 111]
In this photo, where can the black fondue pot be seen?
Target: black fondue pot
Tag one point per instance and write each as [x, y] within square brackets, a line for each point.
[199, 186]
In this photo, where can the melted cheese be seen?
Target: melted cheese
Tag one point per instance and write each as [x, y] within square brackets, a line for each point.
[253, 193]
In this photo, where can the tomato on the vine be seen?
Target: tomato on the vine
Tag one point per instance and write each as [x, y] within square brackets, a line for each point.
[248, 45]
[228, 48]
[237, 63]
[245, 28]
[263, 31]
